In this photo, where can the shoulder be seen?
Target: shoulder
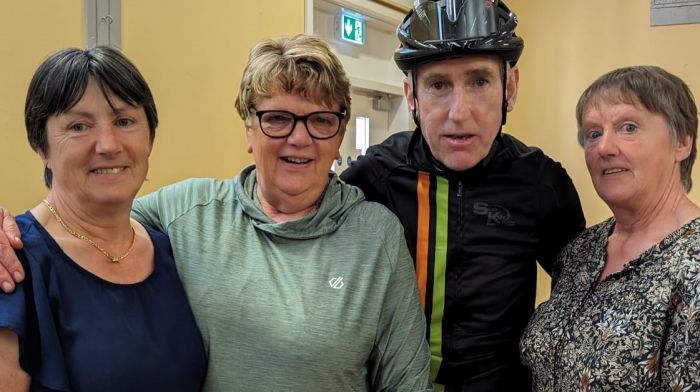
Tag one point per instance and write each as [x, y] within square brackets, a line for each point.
[184, 195]
[34, 237]
[686, 271]
[168, 204]
[371, 170]
[533, 165]
[198, 189]
[158, 238]
[394, 146]
[375, 212]
[685, 249]
[377, 231]
[528, 155]
[398, 141]
[391, 151]
[580, 255]
[162, 251]
[587, 237]
[375, 221]
[26, 222]
[585, 244]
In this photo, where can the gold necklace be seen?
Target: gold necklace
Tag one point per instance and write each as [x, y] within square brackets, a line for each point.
[113, 259]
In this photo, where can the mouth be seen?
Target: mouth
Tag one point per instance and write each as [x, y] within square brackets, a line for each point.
[296, 161]
[459, 138]
[108, 170]
[613, 171]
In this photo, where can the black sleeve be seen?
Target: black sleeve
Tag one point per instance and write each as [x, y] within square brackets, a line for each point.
[364, 174]
[563, 217]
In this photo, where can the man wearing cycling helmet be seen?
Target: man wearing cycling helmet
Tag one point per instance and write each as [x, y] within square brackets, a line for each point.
[479, 207]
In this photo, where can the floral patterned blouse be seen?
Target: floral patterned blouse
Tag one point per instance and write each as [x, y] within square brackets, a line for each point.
[637, 330]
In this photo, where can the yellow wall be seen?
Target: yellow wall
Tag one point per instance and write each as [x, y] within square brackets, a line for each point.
[192, 55]
[567, 45]
[28, 31]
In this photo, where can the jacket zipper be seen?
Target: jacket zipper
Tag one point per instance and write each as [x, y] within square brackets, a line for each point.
[460, 188]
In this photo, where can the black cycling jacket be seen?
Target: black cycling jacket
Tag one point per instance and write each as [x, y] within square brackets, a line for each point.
[475, 237]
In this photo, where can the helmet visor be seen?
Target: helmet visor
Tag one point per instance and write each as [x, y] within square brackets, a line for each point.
[452, 20]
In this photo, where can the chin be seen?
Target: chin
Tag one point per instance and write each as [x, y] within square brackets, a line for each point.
[114, 198]
[460, 165]
[615, 198]
[460, 161]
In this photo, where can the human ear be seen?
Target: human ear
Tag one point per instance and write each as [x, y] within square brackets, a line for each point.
[408, 93]
[683, 148]
[249, 134]
[512, 87]
[44, 157]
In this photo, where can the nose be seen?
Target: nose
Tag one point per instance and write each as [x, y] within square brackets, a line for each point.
[460, 105]
[607, 144]
[300, 135]
[108, 140]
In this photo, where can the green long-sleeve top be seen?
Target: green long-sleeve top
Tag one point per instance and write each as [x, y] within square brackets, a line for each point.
[327, 302]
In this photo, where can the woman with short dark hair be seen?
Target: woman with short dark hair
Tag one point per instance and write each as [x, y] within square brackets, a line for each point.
[102, 307]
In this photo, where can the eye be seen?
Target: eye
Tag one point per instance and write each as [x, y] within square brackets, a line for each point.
[275, 120]
[323, 119]
[78, 127]
[124, 122]
[629, 128]
[593, 134]
[481, 82]
[438, 85]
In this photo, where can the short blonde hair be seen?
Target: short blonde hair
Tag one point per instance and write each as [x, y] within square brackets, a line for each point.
[303, 65]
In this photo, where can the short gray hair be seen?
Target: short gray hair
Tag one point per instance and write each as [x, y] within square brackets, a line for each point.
[659, 92]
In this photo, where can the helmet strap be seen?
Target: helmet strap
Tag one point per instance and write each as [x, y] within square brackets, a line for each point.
[414, 90]
[504, 106]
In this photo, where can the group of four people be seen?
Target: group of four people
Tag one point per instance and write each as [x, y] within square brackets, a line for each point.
[299, 281]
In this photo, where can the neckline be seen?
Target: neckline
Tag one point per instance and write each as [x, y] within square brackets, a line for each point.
[640, 260]
[58, 251]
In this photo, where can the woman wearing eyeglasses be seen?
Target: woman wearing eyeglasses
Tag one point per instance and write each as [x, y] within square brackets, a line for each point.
[297, 282]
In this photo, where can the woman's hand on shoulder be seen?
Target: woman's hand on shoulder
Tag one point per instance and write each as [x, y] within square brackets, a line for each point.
[11, 270]
[12, 377]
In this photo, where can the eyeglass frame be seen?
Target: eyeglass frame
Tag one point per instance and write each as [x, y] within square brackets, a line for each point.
[304, 118]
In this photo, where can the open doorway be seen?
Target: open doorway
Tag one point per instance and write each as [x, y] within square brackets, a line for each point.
[374, 117]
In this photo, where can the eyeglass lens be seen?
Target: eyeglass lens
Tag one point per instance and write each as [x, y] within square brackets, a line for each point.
[319, 124]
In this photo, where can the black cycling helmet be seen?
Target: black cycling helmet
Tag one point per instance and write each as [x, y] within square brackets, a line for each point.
[436, 29]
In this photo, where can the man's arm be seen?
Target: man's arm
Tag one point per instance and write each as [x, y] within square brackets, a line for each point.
[12, 377]
[11, 270]
[365, 174]
[563, 217]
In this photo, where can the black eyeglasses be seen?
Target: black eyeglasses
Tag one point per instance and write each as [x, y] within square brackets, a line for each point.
[279, 124]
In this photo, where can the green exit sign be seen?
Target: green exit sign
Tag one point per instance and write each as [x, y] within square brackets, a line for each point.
[352, 29]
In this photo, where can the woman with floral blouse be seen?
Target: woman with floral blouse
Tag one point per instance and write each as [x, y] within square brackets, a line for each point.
[624, 314]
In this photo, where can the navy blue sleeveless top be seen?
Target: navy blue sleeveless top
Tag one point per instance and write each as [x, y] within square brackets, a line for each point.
[78, 332]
